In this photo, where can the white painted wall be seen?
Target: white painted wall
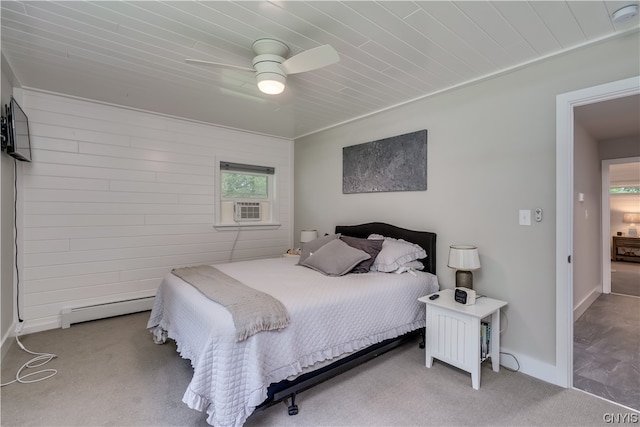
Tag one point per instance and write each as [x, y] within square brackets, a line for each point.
[115, 198]
[491, 152]
[587, 179]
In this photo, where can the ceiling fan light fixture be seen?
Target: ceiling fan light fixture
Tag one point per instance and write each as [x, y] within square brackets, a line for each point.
[271, 83]
[272, 68]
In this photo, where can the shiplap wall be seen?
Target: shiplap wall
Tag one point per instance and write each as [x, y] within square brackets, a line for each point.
[115, 198]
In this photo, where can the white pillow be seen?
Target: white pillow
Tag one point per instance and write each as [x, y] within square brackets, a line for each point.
[395, 253]
[411, 266]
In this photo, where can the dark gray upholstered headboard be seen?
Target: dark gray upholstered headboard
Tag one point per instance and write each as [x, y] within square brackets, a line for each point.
[425, 239]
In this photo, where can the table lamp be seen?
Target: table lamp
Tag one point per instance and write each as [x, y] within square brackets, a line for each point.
[308, 235]
[632, 219]
[464, 258]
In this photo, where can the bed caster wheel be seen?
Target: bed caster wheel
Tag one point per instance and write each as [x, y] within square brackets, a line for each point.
[293, 409]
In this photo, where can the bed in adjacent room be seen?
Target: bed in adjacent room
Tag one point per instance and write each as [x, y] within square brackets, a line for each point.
[346, 294]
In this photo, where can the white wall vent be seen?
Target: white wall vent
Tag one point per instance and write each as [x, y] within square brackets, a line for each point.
[70, 315]
[247, 211]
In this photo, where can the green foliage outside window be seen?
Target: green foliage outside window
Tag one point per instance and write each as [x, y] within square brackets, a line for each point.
[244, 185]
[625, 190]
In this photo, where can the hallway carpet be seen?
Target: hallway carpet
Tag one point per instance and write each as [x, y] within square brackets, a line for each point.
[606, 349]
[625, 278]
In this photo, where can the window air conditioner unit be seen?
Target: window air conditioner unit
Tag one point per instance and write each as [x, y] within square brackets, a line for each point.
[247, 211]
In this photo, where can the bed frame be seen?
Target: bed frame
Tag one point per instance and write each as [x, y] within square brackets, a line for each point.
[425, 239]
[287, 389]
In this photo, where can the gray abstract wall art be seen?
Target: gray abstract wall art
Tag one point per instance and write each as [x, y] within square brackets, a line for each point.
[397, 163]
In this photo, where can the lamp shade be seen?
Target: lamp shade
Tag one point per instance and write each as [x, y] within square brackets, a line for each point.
[463, 257]
[308, 235]
[631, 218]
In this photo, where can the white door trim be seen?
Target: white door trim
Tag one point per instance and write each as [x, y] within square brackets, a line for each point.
[565, 103]
[606, 228]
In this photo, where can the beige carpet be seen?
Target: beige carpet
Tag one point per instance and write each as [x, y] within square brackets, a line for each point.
[111, 374]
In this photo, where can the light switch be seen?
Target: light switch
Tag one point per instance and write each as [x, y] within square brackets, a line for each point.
[524, 217]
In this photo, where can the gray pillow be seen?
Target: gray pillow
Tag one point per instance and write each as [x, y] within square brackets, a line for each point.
[372, 247]
[309, 247]
[335, 258]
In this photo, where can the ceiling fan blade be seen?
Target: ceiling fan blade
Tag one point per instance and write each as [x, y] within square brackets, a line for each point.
[311, 59]
[218, 64]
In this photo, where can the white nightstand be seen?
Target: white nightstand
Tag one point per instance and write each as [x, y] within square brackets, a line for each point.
[453, 332]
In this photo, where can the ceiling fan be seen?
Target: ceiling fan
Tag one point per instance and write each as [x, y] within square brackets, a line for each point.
[272, 67]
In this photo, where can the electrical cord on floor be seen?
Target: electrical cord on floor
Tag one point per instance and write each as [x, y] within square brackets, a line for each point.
[514, 358]
[506, 323]
[40, 360]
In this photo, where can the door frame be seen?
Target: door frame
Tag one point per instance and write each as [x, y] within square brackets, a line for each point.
[565, 104]
[606, 218]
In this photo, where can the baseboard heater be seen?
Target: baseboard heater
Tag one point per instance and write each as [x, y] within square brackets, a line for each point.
[71, 315]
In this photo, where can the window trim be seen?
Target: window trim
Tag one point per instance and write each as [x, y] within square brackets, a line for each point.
[243, 167]
[272, 196]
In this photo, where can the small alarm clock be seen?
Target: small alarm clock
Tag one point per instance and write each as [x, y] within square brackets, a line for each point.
[465, 296]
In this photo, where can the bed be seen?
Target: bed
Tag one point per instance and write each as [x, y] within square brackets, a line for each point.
[335, 322]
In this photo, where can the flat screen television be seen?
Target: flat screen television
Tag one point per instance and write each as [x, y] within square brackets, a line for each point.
[17, 139]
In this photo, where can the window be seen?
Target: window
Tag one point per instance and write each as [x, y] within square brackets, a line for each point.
[242, 185]
[246, 195]
[625, 190]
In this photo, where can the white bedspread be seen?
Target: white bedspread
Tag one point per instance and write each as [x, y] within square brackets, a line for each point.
[329, 317]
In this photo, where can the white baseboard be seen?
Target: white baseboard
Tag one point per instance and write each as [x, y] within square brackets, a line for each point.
[39, 325]
[529, 366]
[70, 315]
[583, 305]
[97, 311]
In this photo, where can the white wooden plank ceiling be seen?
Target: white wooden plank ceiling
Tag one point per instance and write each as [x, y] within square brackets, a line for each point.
[132, 52]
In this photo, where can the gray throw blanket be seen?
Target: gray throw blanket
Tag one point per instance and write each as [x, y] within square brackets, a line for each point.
[252, 310]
